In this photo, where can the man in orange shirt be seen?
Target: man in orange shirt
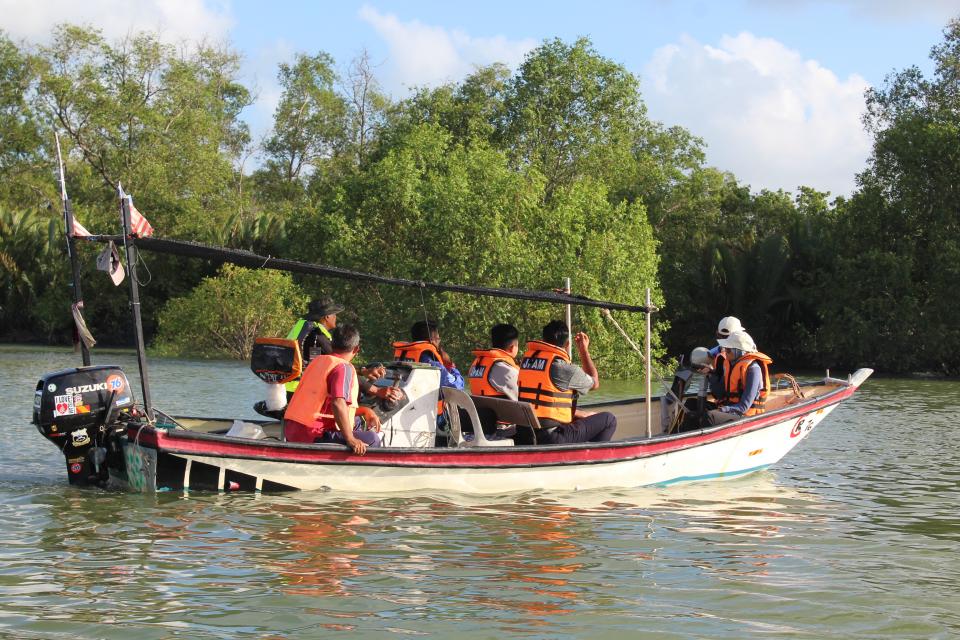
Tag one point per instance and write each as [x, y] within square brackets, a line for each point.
[324, 407]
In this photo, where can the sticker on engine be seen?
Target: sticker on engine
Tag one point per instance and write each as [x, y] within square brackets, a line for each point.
[76, 467]
[80, 437]
[115, 383]
[64, 406]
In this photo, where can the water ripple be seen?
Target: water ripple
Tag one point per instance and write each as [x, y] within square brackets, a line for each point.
[852, 535]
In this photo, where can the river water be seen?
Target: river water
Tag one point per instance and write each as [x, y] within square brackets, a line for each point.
[855, 534]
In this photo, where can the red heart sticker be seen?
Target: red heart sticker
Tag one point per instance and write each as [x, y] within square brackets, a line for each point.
[61, 407]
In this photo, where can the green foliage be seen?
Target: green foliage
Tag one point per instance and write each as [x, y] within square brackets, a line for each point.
[223, 315]
[868, 304]
[469, 111]
[571, 113]
[24, 174]
[900, 233]
[511, 180]
[366, 106]
[30, 265]
[433, 208]
[309, 122]
[163, 121]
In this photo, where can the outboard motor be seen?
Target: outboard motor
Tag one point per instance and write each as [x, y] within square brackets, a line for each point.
[276, 361]
[77, 410]
[677, 412]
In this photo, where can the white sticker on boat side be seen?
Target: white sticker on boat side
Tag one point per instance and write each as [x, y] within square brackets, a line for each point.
[804, 426]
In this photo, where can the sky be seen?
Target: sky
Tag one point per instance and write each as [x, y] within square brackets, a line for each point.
[775, 88]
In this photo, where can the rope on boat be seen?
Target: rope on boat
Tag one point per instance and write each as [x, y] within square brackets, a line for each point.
[633, 345]
[791, 380]
[255, 261]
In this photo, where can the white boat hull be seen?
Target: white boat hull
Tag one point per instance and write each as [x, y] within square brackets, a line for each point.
[723, 452]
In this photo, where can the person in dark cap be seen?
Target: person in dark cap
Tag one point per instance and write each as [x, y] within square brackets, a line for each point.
[323, 314]
[315, 338]
[312, 332]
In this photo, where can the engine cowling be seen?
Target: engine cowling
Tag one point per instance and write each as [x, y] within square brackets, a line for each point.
[74, 409]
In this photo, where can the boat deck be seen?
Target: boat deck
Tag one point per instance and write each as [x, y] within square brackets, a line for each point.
[631, 414]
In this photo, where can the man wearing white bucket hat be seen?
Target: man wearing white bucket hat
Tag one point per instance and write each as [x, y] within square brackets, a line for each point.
[745, 379]
[715, 368]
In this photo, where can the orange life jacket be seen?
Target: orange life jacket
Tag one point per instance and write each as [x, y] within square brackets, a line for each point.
[538, 389]
[310, 401]
[479, 374]
[719, 362]
[735, 379]
[720, 367]
[411, 352]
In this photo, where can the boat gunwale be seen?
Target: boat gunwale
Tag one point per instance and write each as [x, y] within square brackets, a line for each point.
[165, 441]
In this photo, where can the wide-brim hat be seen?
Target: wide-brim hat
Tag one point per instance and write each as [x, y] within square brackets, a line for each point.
[739, 340]
[318, 309]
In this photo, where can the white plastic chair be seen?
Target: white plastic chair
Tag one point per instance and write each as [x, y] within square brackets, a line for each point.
[456, 399]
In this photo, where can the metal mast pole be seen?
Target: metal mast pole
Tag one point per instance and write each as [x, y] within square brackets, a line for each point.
[71, 248]
[131, 252]
[569, 321]
[649, 372]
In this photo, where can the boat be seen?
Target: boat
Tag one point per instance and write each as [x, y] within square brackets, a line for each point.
[108, 438]
[211, 454]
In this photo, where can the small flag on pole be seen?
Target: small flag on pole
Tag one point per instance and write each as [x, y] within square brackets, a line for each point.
[139, 225]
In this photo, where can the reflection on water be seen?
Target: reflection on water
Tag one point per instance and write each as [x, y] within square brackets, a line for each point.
[854, 534]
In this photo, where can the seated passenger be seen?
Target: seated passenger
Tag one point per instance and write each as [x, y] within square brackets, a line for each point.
[425, 347]
[494, 373]
[551, 384]
[324, 407]
[314, 336]
[746, 380]
[494, 370]
[716, 372]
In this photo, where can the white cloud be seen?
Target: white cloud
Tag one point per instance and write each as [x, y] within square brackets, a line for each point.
[773, 118]
[937, 11]
[260, 74]
[425, 55]
[175, 20]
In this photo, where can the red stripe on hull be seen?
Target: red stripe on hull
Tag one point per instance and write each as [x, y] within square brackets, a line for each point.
[189, 443]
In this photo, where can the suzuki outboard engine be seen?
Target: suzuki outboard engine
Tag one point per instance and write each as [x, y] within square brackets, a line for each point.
[77, 410]
[680, 413]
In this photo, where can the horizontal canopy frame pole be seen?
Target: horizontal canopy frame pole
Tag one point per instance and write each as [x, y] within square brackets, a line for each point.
[254, 261]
